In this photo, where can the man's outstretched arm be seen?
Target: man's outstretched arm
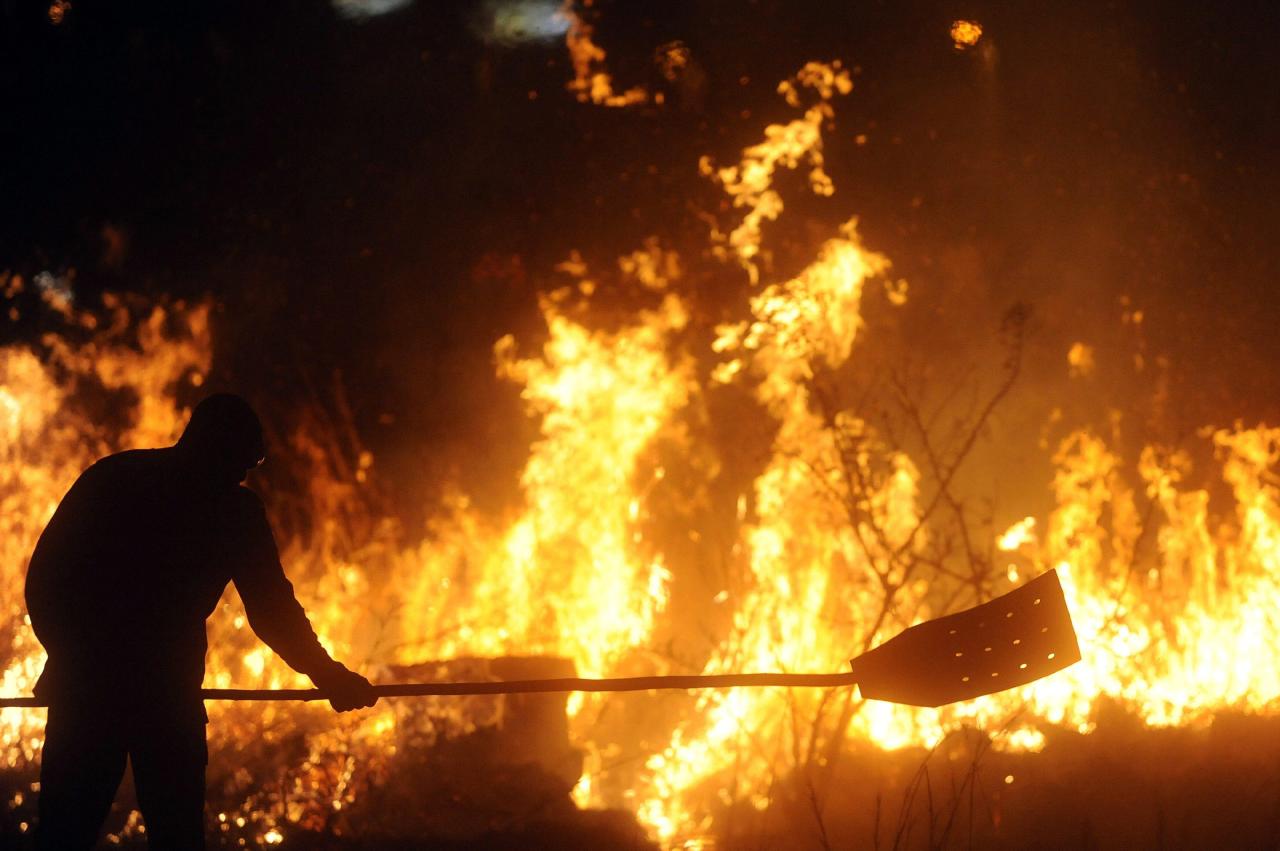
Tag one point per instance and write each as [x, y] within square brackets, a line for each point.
[279, 620]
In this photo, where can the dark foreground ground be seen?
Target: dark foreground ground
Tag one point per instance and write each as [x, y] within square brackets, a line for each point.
[1122, 786]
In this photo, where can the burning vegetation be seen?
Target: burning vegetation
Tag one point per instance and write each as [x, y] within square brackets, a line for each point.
[621, 558]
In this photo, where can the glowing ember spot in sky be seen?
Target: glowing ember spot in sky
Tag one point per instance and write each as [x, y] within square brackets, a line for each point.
[672, 59]
[58, 10]
[1080, 359]
[591, 83]
[965, 34]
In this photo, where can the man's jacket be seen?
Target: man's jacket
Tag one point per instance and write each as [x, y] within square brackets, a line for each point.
[133, 562]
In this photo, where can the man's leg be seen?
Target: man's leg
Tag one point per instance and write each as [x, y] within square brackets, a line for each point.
[169, 758]
[80, 770]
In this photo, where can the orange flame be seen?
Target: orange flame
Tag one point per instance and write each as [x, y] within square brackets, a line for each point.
[591, 83]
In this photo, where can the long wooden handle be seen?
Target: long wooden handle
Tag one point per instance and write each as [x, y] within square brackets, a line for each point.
[523, 687]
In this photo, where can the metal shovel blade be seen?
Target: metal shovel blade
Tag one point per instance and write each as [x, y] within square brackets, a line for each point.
[1006, 642]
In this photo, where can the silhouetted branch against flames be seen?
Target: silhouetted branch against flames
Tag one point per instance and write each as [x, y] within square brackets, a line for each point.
[957, 571]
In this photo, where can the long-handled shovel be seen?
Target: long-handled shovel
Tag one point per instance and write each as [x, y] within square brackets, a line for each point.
[1006, 642]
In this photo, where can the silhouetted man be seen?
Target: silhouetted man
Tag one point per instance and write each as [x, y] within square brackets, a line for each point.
[119, 587]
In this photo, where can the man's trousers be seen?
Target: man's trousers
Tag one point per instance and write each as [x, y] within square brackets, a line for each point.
[85, 749]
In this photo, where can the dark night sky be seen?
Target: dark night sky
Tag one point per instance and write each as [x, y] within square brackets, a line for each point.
[335, 180]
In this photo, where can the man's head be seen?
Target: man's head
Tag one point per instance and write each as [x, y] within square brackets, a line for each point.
[223, 439]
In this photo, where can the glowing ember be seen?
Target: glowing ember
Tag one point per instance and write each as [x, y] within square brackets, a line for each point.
[1017, 535]
[965, 34]
[1081, 360]
[591, 83]
[672, 60]
[58, 10]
